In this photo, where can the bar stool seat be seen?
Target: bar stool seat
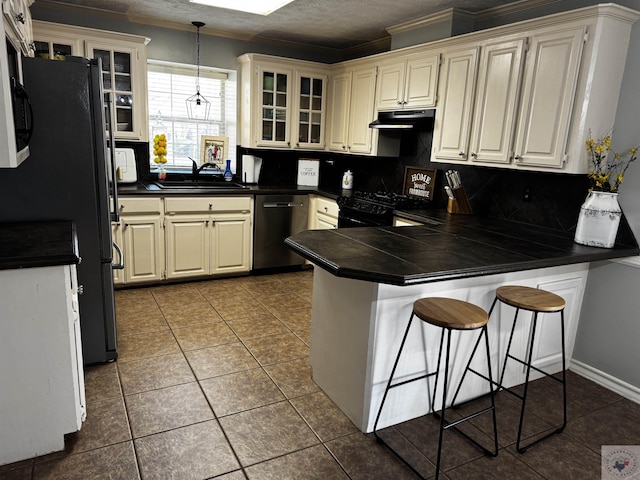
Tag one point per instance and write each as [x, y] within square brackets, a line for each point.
[449, 314]
[537, 301]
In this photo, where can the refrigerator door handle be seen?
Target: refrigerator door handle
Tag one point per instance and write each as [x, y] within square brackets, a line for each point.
[120, 264]
[113, 184]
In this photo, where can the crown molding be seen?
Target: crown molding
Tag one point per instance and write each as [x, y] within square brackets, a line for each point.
[511, 8]
[443, 16]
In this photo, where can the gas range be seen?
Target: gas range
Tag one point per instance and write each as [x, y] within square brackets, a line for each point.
[360, 209]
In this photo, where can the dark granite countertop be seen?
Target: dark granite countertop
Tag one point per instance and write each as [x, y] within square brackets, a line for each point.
[140, 188]
[37, 244]
[445, 248]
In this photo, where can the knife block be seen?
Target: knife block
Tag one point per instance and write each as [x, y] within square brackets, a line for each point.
[460, 204]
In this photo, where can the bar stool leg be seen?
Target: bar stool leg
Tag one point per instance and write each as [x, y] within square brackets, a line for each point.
[526, 383]
[508, 355]
[393, 371]
[444, 401]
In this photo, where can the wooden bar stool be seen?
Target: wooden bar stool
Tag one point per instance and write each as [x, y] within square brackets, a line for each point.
[537, 301]
[449, 314]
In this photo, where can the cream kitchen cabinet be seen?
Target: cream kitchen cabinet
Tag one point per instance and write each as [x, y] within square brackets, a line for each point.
[43, 396]
[478, 121]
[282, 102]
[323, 213]
[140, 231]
[409, 82]
[18, 24]
[124, 70]
[207, 235]
[533, 103]
[352, 102]
[452, 123]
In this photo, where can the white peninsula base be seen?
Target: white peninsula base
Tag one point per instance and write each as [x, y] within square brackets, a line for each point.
[357, 327]
[41, 372]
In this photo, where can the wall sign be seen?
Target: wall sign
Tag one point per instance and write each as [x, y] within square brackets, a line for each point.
[308, 172]
[419, 182]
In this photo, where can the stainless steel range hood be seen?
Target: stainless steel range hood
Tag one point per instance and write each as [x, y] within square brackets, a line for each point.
[403, 119]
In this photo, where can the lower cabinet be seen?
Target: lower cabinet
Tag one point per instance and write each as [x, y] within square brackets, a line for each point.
[323, 213]
[207, 235]
[41, 372]
[141, 238]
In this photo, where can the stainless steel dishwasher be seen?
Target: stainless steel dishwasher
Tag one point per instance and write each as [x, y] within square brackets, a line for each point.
[276, 218]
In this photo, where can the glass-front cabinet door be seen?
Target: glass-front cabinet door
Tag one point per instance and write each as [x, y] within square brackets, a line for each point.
[310, 111]
[275, 107]
[118, 71]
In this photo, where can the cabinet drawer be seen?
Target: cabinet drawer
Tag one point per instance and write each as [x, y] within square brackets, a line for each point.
[207, 204]
[327, 206]
[128, 205]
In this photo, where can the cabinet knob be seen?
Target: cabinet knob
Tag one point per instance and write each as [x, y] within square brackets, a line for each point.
[518, 158]
[399, 102]
[474, 154]
[20, 18]
[288, 144]
[121, 207]
[462, 154]
[210, 206]
[206, 222]
[348, 147]
[344, 147]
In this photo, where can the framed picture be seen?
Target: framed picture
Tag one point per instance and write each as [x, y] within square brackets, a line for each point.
[419, 182]
[213, 150]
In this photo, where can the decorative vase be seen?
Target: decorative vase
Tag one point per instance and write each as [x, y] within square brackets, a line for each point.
[598, 220]
[228, 174]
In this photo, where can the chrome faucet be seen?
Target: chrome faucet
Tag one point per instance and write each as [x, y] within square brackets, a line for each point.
[195, 170]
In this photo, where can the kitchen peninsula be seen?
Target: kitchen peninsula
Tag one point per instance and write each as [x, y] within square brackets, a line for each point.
[366, 281]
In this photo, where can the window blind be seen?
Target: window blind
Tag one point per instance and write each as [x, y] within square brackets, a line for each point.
[168, 86]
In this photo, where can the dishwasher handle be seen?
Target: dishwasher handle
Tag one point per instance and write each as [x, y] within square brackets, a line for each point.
[282, 204]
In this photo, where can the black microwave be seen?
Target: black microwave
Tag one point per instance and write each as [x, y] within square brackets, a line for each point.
[17, 113]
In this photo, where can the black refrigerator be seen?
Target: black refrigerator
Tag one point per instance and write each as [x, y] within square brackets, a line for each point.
[67, 177]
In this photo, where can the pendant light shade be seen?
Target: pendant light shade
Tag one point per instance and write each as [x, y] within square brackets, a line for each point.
[197, 106]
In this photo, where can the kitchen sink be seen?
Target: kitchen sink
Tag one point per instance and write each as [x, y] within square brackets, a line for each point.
[194, 185]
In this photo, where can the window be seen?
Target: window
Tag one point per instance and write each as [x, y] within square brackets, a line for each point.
[169, 86]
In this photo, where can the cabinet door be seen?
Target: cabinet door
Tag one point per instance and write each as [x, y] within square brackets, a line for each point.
[310, 110]
[390, 89]
[143, 248]
[274, 100]
[56, 47]
[421, 82]
[453, 116]
[188, 245]
[116, 235]
[118, 76]
[496, 102]
[550, 79]
[361, 111]
[547, 349]
[339, 99]
[230, 246]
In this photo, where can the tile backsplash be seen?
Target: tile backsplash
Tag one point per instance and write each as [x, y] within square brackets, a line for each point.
[546, 199]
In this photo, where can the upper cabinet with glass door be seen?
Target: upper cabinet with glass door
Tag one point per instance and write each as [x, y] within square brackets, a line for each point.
[281, 103]
[310, 110]
[124, 70]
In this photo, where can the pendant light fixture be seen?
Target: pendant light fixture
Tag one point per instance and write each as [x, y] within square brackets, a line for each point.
[197, 106]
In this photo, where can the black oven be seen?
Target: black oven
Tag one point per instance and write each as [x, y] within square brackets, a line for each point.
[366, 209]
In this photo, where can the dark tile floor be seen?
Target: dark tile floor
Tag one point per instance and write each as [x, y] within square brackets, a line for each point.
[213, 381]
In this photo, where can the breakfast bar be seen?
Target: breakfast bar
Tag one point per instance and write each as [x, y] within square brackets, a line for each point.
[366, 280]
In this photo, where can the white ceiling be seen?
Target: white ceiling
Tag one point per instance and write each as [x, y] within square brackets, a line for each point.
[335, 24]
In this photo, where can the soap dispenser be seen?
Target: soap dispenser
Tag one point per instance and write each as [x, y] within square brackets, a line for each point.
[228, 175]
